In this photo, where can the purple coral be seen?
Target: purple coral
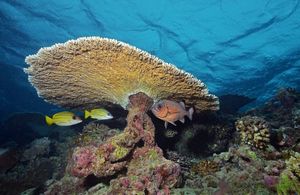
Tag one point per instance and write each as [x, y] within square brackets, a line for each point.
[271, 181]
[82, 159]
[147, 169]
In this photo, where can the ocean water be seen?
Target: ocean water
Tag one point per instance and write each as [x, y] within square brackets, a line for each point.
[246, 53]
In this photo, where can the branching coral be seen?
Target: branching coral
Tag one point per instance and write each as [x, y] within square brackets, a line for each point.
[253, 131]
[93, 71]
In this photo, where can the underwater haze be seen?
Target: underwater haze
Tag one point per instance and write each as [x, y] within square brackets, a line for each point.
[249, 48]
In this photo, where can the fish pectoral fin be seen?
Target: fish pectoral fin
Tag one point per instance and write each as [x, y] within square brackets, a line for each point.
[182, 120]
[166, 124]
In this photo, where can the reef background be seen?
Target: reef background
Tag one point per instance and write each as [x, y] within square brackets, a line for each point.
[256, 152]
[235, 47]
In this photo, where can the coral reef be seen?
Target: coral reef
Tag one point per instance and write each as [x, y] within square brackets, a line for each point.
[108, 158]
[296, 117]
[203, 140]
[133, 149]
[253, 131]
[66, 185]
[288, 184]
[148, 172]
[109, 161]
[240, 171]
[113, 72]
[95, 134]
[282, 113]
[293, 164]
[8, 159]
[39, 147]
[289, 180]
[47, 162]
[205, 167]
[102, 71]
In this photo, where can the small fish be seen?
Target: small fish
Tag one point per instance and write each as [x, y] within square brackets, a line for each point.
[170, 111]
[63, 119]
[99, 114]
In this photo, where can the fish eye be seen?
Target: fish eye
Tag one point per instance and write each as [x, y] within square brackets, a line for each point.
[74, 117]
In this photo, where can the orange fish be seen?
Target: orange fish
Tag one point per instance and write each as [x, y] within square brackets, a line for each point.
[170, 111]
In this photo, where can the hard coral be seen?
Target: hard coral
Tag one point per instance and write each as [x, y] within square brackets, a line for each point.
[38, 147]
[154, 173]
[148, 172]
[95, 134]
[293, 165]
[253, 131]
[287, 97]
[205, 167]
[288, 184]
[102, 71]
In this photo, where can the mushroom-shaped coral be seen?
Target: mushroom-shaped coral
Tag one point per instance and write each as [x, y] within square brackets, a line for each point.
[253, 131]
[93, 71]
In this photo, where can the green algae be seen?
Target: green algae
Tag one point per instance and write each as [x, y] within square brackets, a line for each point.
[287, 184]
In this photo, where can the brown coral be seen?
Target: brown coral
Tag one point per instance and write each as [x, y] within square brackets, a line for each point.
[95, 134]
[253, 131]
[205, 167]
[93, 71]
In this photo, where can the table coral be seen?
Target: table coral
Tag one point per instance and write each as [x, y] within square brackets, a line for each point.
[102, 71]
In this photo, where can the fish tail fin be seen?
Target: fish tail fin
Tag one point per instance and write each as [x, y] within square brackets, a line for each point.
[190, 113]
[87, 114]
[49, 120]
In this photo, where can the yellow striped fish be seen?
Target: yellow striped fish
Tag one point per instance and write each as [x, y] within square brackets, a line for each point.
[99, 114]
[64, 118]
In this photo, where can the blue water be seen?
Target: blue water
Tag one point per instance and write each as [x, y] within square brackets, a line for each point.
[249, 48]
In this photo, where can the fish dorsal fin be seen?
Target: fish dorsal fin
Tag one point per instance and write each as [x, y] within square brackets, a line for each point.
[182, 104]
